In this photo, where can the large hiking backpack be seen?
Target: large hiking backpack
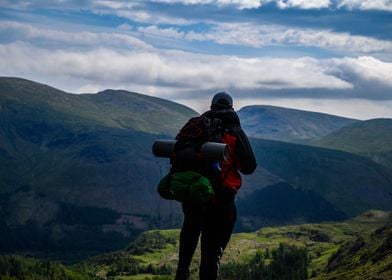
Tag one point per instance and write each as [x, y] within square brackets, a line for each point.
[187, 180]
[199, 130]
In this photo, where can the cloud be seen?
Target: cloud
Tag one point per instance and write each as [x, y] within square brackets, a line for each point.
[303, 4]
[27, 32]
[115, 5]
[253, 4]
[257, 36]
[170, 32]
[174, 72]
[152, 17]
[365, 72]
[240, 4]
[382, 5]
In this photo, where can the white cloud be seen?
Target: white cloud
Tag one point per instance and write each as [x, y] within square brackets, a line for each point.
[173, 71]
[113, 4]
[22, 31]
[110, 59]
[14, 4]
[118, 5]
[170, 32]
[303, 4]
[383, 5]
[245, 34]
[172, 74]
[240, 4]
[362, 70]
[152, 17]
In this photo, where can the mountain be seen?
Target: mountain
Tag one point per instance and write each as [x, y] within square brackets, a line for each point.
[277, 123]
[353, 184]
[109, 108]
[76, 166]
[77, 173]
[354, 249]
[371, 139]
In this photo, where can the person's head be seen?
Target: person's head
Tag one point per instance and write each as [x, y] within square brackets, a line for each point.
[221, 101]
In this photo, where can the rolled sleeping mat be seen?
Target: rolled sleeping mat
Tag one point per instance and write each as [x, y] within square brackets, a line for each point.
[163, 148]
[210, 151]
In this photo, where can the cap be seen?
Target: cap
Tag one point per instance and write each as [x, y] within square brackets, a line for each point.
[221, 100]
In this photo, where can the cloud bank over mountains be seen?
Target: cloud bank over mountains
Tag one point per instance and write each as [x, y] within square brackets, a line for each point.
[263, 51]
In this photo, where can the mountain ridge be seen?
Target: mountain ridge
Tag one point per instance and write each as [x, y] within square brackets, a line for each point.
[286, 124]
[91, 107]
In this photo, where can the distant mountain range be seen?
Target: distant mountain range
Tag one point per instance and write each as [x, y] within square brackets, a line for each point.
[276, 123]
[79, 167]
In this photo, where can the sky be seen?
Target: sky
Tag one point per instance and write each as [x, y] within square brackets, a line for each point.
[331, 56]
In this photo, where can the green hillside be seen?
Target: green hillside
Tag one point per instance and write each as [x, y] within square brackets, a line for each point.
[17, 267]
[371, 139]
[284, 124]
[365, 256]
[329, 247]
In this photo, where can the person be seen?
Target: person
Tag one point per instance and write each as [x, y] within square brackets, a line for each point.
[216, 219]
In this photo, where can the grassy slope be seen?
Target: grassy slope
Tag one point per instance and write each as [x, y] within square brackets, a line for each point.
[14, 267]
[321, 240]
[276, 123]
[367, 256]
[372, 139]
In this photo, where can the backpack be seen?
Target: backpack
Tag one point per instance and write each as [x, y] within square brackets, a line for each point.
[199, 130]
[187, 181]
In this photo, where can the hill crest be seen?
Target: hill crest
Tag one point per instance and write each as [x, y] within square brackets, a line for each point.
[286, 124]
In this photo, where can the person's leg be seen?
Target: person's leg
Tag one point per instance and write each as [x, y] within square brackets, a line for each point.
[189, 238]
[230, 218]
[211, 252]
[216, 232]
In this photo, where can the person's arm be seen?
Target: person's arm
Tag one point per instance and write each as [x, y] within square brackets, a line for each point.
[244, 154]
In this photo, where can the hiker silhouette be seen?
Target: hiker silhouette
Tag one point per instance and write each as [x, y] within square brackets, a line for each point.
[214, 220]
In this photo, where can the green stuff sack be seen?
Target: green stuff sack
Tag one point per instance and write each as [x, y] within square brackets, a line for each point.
[187, 186]
[201, 190]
